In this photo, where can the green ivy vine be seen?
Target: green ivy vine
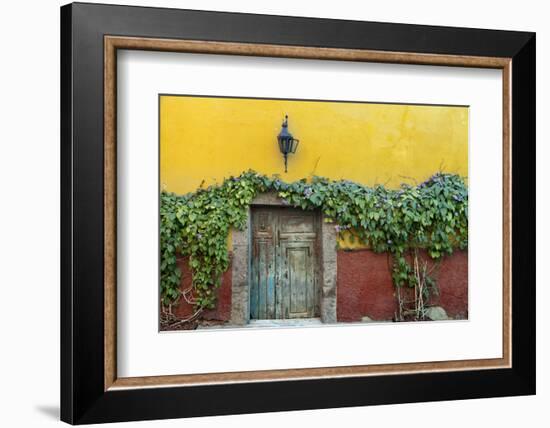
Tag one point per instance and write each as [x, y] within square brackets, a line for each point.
[431, 216]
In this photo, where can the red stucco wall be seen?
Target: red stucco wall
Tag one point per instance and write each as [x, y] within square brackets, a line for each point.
[453, 285]
[222, 311]
[364, 288]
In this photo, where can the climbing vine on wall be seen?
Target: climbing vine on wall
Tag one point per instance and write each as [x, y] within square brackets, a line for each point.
[431, 216]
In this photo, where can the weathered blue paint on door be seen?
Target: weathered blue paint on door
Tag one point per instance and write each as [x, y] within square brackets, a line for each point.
[284, 264]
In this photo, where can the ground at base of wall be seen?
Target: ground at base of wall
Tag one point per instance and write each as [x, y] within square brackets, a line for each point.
[193, 325]
[434, 313]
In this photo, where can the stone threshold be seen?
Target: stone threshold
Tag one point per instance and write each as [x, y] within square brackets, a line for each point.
[297, 322]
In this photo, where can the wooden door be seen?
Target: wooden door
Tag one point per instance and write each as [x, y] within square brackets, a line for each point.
[284, 264]
[263, 266]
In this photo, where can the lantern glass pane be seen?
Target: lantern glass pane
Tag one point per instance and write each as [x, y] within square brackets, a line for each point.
[289, 145]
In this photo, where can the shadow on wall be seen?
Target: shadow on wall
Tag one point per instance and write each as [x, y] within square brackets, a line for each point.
[51, 411]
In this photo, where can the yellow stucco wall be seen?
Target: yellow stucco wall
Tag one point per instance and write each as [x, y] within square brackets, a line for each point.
[212, 138]
[204, 140]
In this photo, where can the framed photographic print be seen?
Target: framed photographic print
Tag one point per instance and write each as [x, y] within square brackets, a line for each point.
[265, 213]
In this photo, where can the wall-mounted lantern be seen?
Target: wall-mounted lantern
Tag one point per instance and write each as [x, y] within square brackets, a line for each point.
[287, 143]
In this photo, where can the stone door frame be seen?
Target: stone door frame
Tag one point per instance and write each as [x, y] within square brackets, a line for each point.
[241, 266]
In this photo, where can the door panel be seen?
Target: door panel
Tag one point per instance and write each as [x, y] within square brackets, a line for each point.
[293, 223]
[262, 296]
[298, 280]
[262, 287]
[283, 283]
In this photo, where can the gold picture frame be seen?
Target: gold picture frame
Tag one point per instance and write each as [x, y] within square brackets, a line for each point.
[113, 43]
